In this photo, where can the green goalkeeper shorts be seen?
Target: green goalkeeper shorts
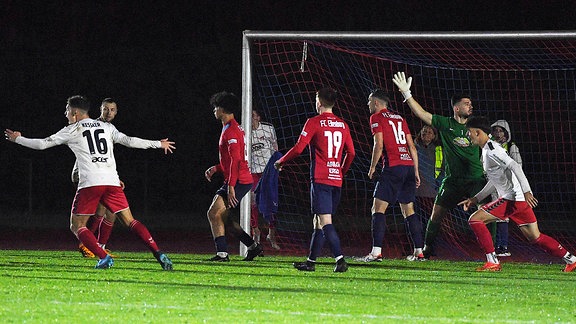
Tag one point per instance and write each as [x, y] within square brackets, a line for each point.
[453, 191]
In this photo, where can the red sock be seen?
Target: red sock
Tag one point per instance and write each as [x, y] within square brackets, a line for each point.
[105, 231]
[89, 241]
[94, 223]
[482, 235]
[550, 245]
[144, 235]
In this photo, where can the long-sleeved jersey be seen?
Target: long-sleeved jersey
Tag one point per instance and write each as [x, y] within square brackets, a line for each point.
[92, 142]
[329, 139]
[232, 149]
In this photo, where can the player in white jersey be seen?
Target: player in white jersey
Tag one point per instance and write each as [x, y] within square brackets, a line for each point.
[102, 221]
[515, 200]
[264, 144]
[92, 142]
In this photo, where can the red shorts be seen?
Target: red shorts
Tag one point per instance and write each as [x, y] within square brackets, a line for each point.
[87, 199]
[518, 211]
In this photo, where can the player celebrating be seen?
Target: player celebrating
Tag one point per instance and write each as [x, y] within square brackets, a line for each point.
[399, 177]
[92, 142]
[102, 221]
[515, 200]
[237, 179]
[464, 175]
[331, 154]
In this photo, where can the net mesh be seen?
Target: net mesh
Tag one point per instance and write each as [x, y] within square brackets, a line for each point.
[528, 82]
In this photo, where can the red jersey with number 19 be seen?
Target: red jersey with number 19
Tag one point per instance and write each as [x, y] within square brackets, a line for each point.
[328, 137]
[394, 130]
[232, 155]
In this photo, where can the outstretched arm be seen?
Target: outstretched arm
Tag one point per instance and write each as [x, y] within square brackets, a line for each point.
[35, 143]
[139, 143]
[403, 85]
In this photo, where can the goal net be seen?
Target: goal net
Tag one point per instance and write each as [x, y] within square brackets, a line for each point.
[527, 79]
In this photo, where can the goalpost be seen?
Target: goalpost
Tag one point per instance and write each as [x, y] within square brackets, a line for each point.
[526, 78]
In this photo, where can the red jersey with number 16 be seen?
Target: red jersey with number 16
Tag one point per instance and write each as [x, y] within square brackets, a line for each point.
[331, 148]
[394, 130]
[232, 155]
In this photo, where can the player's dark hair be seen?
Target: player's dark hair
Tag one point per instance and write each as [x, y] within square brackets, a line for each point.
[479, 122]
[225, 100]
[458, 97]
[79, 102]
[108, 100]
[327, 97]
[382, 96]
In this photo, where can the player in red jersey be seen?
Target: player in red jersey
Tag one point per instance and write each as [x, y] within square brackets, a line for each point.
[92, 142]
[331, 154]
[399, 178]
[237, 179]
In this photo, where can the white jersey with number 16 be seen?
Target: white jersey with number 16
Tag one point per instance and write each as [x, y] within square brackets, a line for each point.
[92, 142]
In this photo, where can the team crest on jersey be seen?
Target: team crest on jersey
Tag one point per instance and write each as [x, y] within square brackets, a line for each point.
[461, 141]
[257, 147]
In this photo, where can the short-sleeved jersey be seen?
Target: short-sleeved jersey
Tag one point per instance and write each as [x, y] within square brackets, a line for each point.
[329, 140]
[92, 142]
[394, 130]
[263, 142]
[232, 149]
[462, 158]
[496, 162]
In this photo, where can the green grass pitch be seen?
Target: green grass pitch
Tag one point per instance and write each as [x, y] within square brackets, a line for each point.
[63, 287]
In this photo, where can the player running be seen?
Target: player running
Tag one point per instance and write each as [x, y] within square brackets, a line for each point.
[92, 142]
[515, 200]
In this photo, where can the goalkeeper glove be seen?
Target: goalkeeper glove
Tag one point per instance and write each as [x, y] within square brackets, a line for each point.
[403, 84]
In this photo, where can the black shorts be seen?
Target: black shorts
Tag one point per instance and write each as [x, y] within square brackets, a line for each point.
[240, 189]
[324, 198]
[396, 183]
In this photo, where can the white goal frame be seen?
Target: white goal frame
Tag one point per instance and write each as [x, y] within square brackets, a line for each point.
[249, 36]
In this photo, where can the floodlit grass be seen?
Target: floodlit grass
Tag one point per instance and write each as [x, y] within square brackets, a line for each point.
[49, 286]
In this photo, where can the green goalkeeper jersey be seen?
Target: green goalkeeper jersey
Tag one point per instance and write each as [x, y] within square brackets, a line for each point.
[462, 159]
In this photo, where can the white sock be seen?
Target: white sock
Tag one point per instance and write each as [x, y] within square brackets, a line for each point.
[569, 258]
[338, 257]
[417, 251]
[491, 257]
[376, 250]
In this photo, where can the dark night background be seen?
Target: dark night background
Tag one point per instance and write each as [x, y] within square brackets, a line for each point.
[161, 61]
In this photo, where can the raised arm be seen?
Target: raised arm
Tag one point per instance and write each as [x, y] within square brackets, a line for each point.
[403, 85]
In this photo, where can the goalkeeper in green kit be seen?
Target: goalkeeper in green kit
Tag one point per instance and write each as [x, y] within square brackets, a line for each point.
[464, 173]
